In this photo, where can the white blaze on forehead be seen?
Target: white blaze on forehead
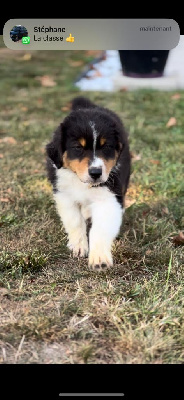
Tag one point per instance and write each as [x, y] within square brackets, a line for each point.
[97, 162]
[95, 134]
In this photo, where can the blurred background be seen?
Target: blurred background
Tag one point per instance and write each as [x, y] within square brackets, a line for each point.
[129, 70]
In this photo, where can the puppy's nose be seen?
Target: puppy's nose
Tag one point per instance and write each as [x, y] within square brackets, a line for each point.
[95, 173]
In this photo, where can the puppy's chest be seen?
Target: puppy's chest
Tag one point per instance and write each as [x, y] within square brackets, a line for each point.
[68, 184]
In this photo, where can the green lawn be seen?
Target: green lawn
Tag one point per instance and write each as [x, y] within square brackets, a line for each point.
[53, 309]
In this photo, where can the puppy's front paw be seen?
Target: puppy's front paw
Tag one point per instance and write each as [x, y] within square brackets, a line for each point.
[100, 258]
[78, 247]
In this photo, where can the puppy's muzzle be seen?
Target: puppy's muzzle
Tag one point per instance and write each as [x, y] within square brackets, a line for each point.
[95, 173]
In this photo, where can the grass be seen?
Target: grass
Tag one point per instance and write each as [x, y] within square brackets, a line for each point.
[53, 308]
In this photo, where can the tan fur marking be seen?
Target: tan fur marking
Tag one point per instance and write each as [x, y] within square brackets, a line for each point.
[65, 160]
[109, 164]
[79, 167]
[102, 141]
[82, 141]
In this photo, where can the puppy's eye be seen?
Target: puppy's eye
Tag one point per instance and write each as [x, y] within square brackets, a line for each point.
[107, 146]
[77, 147]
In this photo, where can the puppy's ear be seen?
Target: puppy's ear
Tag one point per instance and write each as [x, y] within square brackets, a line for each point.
[119, 141]
[55, 148]
[121, 136]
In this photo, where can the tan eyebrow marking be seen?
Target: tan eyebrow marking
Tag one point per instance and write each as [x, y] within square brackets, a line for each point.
[102, 141]
[82, 141]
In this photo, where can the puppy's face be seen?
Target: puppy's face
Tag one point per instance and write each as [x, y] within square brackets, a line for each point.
[91, 148]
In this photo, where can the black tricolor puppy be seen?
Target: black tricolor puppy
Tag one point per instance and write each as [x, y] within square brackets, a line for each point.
[88, 163]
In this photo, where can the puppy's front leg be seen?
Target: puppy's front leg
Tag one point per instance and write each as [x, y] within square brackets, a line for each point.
[106, 222]
[74, 225]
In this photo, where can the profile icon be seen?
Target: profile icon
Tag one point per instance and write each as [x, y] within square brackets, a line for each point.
[18, 32]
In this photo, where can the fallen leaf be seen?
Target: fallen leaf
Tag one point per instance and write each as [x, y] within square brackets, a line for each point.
[46, 80]
[93, 73]
[129, 202]
[4, 291]
[178, 240]
[24, 108]
[135, 157]
[97, 73]
[165, 210]
[148, 252]
[40, 102]
[26, 123]
[4, 199]
[156, 162]
[67, 107]
[176, 96]
[172, 121]
[95, 53]
[1, 155]
[145, 213]
[123, 89]
[27, 56]
[8, 139]
[75, 63]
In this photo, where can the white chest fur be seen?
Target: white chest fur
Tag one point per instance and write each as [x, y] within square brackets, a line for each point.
[76, 202]
[68, 184]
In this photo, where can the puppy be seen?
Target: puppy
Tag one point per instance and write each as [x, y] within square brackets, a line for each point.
[88, 164]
